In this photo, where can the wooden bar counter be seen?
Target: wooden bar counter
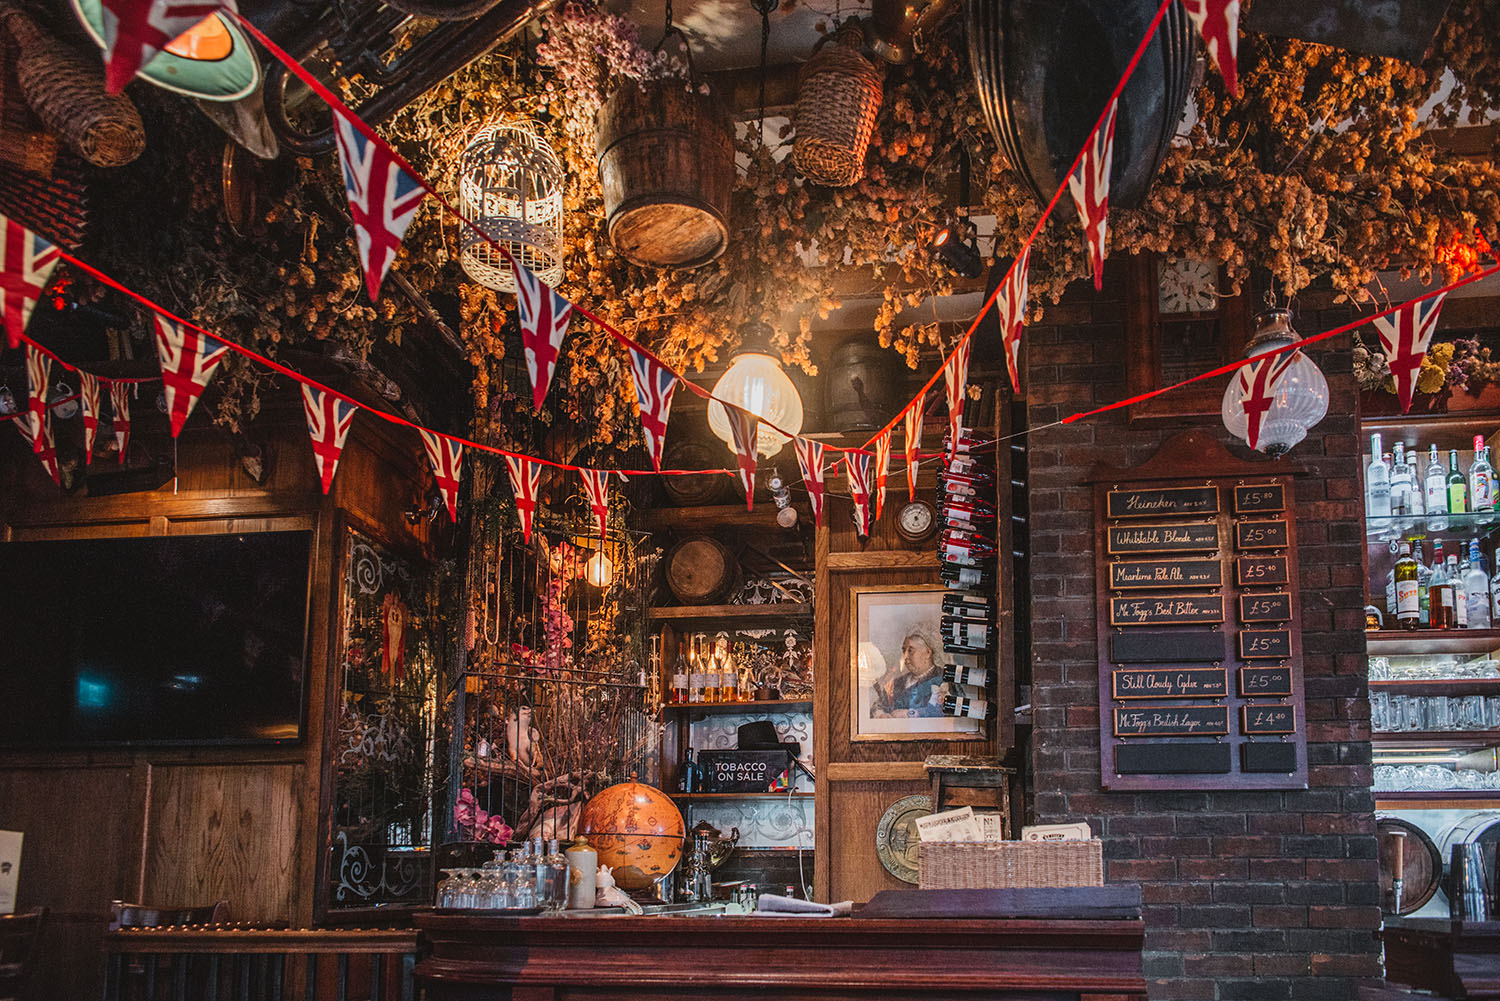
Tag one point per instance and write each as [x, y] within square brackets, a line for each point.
[1453, 959]
[920, 955]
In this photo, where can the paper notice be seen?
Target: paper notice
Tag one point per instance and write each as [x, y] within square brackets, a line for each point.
[991, 826]
[1057, 832]
[951, 825]
[10, 869]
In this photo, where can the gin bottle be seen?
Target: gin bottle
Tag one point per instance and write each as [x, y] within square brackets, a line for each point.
[1377, 482]
[1436, 491]
[1460, 598]
[1400, 492]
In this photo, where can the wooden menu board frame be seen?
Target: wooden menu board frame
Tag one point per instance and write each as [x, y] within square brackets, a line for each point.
[1211, 466]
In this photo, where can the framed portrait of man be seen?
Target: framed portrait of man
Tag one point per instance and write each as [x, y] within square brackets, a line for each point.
[896, 686]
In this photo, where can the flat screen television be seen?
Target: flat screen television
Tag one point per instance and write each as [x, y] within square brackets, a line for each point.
[172, 640]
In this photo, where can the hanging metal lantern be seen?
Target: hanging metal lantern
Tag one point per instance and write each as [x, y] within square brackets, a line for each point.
[511, 186]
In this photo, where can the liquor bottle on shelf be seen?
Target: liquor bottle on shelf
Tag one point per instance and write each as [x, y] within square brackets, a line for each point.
[1477, 589]
[972, 708]
[1440, 592]
[1418, 494]
[1424, 580]
[689, 780]
[1408, 607]
[1390, 594]
[1481, 479]
[681, 670]
[1495, 591]
[976, 677]
[1400, 494]
[697, 676]
[1436, 491]
[1460, 598]
[1377, 482]
[1458, 486]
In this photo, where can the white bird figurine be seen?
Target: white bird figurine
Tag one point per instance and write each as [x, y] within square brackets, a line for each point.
[523, 742]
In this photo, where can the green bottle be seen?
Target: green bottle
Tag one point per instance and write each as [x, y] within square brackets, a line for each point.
[1458, 486]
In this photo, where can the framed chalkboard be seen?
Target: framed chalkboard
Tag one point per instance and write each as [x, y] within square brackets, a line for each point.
[1259, 498]
[1131, 575]
[1275, 607]
[1189, 537]
[1172, 721]
[1163, 502]
[1260, 720]
[1260, 535]
[1265, 682]
[1170, 683]
[1261, 571]
[1166, 609]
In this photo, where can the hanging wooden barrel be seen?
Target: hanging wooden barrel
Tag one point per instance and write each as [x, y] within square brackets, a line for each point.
[443, 10]
[695, 491]
[861, 383]
[701, 571]
[1422, 869]
[1481, 828]
[666, 162]
[1044, 71]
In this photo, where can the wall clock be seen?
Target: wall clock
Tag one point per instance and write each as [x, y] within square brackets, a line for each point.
[1187, 285]
[896, 841]
[916, 521]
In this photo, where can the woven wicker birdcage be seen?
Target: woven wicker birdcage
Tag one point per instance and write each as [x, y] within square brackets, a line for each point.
[511, 186]
[838, 97]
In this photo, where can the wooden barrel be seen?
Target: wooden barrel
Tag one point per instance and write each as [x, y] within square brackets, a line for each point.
[1422, 864]
[695, 491]
[1481, 828]
[862, 381]
[701, 571]
[666, 162]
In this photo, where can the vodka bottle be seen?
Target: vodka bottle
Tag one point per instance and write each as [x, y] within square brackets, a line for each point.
[1458, 486]
[1418, 495]
[1477, 589]
[1408, 607]
[1400, 493]
[1440, 593]
[1436, 491]
[1481, 479]
[1460, 598]
[1495, 591]
[1377, 482]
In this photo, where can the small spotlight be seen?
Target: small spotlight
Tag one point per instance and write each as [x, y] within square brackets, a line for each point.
[954, 245]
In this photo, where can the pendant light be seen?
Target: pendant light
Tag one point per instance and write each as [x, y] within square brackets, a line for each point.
[1301, 398]
[755, 380]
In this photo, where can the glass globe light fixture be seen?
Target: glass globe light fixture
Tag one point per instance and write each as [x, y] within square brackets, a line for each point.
[756, 382]
[1301, 398]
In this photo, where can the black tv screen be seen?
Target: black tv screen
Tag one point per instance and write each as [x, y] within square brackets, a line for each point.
[189, 639]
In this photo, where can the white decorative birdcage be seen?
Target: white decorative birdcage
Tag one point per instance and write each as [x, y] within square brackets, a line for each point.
[511, 186]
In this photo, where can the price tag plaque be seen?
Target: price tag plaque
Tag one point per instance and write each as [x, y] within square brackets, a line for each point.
[1250, 571]
[1259, 498]
[1268, 720]
[1260, 535]
[1265, 644]
[1265, 607]
[1265, 682]
[1172, 721]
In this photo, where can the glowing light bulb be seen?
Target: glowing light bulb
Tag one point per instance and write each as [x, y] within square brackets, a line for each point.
[599, 571]
[756, 383]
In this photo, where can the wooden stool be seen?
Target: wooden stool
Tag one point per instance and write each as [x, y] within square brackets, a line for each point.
[957, 771]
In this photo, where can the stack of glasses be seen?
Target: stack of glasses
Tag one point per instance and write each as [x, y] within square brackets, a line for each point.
[968, 554]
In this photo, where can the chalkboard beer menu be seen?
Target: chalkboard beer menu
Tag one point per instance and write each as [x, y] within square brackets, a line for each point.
[1201, 566]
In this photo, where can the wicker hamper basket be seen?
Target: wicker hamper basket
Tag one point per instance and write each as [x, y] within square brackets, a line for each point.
[838, 96]
[990, 865]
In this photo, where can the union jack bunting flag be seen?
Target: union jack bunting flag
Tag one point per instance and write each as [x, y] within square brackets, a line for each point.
[744, 428]
[654, 386]
[857, 464]
[329, 418]
[383, 198]
[119, 399]
[26, 262]
[882, 470]
[47, 453]
[525, 479]
[913, 420]
[1012, 305]
[447, 458]
[188, 361]
[1090, 187]
[810, 459]
[544, 323]
[956, 384]
[88, 393]
[1404, 336]
[1258, 382]
[1218, 21]
[136, 30]
[38, 372]
[596, 486]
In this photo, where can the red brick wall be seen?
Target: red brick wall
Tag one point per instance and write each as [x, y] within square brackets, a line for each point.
[1257, 895]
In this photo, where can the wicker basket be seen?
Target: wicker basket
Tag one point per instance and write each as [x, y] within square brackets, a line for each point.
[976, 865]
[838, 96]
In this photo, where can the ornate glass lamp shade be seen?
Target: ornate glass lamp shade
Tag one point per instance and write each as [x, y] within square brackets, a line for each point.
[510, 185]
[1301, 398]
[756, 382]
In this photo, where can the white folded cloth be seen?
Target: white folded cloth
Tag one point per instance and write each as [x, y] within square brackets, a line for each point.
[775, 906]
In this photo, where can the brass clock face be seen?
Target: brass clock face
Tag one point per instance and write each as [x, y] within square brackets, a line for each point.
[896, 836]
[916, 521]
[1187, 285]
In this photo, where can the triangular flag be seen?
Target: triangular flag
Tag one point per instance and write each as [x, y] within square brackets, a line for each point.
[1012, 305]
[1218, 21]
[1258, 382]
[544, 323]
[188, 362]
[47, 453]
[329, 418]
[913, 420]
[136, 30]
[447, 458]
[383, 198]
[88, 394]
[525, 479]
[810, 458]
[119, 398]
[956, 385]
[1404, 336]
[654, 386]
[858, 466]
[882, 470]
[744, 429]
[26, 263]
[1090, 187]
[596, 486]
[38, 372]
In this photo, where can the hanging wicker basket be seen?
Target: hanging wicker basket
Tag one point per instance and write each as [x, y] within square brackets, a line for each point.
[838, 97]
